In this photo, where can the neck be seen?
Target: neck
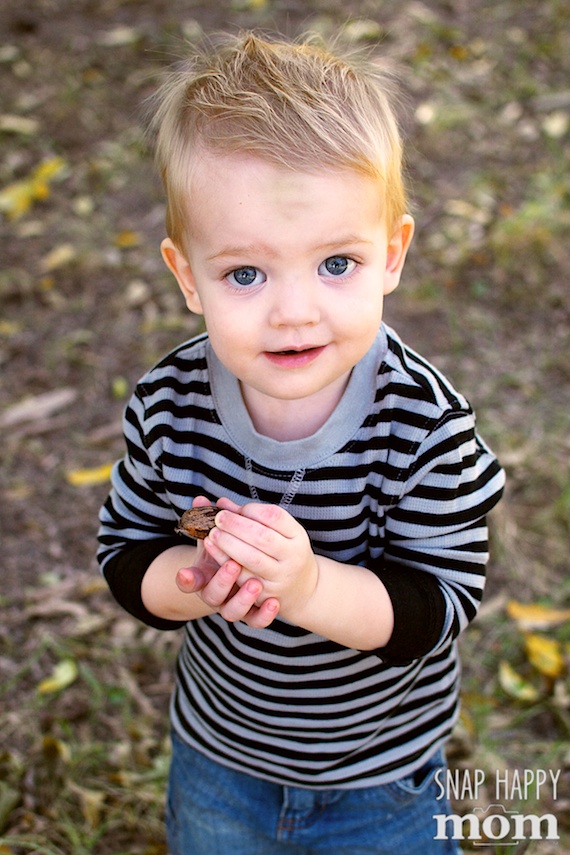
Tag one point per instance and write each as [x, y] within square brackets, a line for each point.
[285, 420]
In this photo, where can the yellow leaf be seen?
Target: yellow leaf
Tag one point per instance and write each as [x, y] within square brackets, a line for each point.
[62, 676]
[127, 239]
[88, 477]
[49, 169]
[91, 803]
[55, 750]
[59, 256]
[535, 616]
[10, 328]
[17, 198]
[546, 655]
[249, 5]
[516, 686]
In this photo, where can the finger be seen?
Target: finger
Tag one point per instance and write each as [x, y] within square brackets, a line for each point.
[221, 584]
[260, 617]
[191, 579]
[188, 580]
[249, 530]
[250, 548]
[271, 516]
[201, 502]
[214, 551]
[242, 602]
[228, 505]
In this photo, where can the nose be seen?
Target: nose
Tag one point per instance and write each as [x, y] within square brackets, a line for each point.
[294, 304]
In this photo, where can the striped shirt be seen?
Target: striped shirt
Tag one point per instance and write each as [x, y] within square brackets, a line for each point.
[397, 480]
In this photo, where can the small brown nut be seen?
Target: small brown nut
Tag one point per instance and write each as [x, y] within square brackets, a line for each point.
[197, 522]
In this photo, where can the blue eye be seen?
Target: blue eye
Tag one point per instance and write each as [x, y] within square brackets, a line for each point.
[246, 276]
[337, 265]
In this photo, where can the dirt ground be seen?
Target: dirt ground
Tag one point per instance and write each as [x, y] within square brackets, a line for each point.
[86, 306]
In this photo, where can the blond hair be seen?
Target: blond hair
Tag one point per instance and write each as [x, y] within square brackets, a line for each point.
[296, 105]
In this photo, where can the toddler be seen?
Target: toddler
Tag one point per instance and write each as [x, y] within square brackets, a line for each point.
[318, 676]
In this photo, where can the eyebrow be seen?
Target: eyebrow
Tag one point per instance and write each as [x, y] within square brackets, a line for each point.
[262, 249]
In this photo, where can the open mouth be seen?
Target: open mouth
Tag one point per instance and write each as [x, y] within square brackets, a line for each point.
[295, 357]
[293, 351]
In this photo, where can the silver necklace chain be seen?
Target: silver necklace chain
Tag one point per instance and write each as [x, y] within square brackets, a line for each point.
[289, 493]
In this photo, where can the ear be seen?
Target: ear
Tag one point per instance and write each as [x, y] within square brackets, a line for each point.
[177, 263]
[397, 250]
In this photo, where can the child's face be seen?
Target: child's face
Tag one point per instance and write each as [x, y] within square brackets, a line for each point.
[289, 270]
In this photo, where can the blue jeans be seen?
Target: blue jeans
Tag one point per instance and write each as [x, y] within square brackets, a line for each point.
[213, 810]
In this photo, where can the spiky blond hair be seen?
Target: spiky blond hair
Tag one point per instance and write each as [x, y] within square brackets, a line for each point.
[294, 104]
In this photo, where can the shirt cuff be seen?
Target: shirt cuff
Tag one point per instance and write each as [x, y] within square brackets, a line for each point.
[419, 613]
[125, 571]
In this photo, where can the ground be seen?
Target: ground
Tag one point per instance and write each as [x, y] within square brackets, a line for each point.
[87, 306]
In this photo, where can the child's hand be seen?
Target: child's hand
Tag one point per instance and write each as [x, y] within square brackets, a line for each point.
[271, 547]
[216, 583]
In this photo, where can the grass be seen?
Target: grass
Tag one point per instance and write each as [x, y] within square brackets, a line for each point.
[91, 771]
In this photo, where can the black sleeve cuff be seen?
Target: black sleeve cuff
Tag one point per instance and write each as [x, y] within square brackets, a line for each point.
[124, 574]
[419, 613]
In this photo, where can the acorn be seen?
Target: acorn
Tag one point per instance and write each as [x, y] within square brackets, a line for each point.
[197, 522]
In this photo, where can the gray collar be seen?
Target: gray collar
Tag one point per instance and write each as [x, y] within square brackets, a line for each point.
[354, 406]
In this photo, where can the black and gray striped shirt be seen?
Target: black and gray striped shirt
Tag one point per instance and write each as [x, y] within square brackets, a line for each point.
[397, 480]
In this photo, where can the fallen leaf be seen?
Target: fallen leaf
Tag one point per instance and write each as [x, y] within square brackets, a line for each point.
[120, 387]
[556, 125]
[91, 803]
[89, 625]
[59, 256]
[467, 211]
[18, 125]
[55, 750]
[62, 676]
[17, 198]
[127, 239]
[121, 36]
[89, 477]
[516, 686]
[535, 616]
[459, 52]
[18, 493]
[362, 30]
[10, 328]
[249, 5]
[546, 655]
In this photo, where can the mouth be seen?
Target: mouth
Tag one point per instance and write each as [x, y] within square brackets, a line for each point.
[295, 357]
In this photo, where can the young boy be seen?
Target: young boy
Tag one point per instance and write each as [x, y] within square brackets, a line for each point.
[318, 676]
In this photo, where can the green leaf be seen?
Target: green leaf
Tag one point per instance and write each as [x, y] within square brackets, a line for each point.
[62, 676]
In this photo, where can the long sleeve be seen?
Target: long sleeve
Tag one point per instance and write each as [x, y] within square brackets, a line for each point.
[436, 539]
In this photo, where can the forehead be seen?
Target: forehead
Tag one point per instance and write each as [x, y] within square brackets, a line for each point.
[240, 178]
[241, 186]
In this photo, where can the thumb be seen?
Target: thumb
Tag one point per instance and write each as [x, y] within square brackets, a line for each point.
[189, 579]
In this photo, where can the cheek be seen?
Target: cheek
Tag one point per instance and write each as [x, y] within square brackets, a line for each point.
[360, 312]
[232, 316]
[228, 334]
